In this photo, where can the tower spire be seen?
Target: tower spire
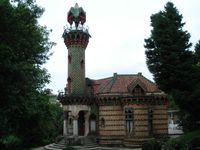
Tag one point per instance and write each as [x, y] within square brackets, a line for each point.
[76, 39]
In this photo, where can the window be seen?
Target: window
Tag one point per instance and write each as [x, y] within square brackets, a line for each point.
[102, 122]
[69, 59]
[129, 120]
[138, 91]
[70, 121]
[82, 64]
[150, 121]
[69, 80]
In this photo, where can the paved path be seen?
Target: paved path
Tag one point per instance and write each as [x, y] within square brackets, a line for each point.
[38, 148]
[106, 148]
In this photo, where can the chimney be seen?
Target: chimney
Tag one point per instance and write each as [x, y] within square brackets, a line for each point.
[115, 75]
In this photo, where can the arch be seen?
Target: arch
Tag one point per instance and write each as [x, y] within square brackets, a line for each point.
[102, 122]
[81, 123]
[78, 36]
[69, 80]
[69, 59]
[82, 64]
[72, 36]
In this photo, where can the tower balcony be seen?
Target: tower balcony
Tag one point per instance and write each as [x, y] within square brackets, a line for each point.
[72, 28]
[76, 36]
[65, 99]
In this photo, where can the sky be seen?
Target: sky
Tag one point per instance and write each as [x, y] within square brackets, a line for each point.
[117, 28]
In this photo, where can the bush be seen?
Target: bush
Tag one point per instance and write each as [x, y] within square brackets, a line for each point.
[10, 141]
[194, 143]
[151, 145]
[147, 146]
[190, 140]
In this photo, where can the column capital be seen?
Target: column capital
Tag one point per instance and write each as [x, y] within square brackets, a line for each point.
[76, 117]
[66, 114]
[87, 114]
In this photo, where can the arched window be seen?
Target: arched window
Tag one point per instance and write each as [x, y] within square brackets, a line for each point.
[69, 80]
[78, 37]
[102, 122]
[82, 63]
[69, 59]
[70, 121]
[138, 91]
[129, 120]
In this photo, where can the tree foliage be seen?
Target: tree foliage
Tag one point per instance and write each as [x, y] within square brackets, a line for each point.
[26, 114]
[170, 60]
[197, 53]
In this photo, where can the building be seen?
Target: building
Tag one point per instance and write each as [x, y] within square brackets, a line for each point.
[119, 110]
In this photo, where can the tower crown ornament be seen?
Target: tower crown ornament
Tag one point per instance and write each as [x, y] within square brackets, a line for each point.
[77, 15]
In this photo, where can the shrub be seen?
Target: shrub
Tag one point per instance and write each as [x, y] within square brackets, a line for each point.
[147, 146]
[10, 141]
[151, 145]
[189, 140]
[194, 143]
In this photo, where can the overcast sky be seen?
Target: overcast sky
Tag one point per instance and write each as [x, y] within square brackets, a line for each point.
[117, 28]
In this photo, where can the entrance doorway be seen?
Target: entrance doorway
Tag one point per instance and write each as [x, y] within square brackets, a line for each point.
[81, 123]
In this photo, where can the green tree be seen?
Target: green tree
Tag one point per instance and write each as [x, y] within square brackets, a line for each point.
[197, 53]
[25, 113]
[167, 50]
[170, 59]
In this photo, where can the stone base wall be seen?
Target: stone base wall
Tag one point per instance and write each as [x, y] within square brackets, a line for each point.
[111, 140]
[135, 141]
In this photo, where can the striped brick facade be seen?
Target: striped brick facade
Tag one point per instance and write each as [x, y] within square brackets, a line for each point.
[114, 129]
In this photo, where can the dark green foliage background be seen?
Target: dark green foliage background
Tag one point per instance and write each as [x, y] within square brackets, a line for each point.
[174, 66]
[26, 115]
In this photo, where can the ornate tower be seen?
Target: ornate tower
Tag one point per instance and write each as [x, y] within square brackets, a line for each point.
[76, 38]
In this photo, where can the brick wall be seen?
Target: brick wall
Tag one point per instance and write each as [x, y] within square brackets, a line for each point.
[75, 71]
[114, 121]
[160, 120]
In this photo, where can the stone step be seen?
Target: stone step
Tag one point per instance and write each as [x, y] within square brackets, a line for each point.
[55, 146]
[96, 148]
[59, 145]
[90, 146]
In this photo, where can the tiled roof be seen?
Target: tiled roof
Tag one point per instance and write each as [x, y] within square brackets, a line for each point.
[121, 83]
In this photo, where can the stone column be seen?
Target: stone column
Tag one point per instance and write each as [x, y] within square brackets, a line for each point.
[87, 115]
[75, 126]
[65, 127]
[65, 123]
